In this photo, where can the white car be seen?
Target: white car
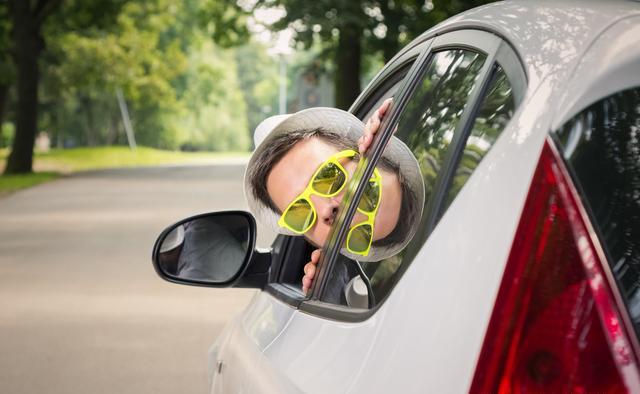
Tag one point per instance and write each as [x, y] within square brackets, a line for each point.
[525, 273]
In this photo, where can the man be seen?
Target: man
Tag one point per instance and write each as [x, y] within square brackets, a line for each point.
[296, 178]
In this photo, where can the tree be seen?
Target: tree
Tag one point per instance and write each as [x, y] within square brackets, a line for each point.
[7, 72]
[339, 25]
[258, 77]
[182, 90]
[216, 118]
[350, 30]
[27, 18]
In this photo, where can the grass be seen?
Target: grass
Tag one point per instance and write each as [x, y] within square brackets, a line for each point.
[11, 183]
[50, 165]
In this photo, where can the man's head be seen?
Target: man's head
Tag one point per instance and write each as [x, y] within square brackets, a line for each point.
[285, 161]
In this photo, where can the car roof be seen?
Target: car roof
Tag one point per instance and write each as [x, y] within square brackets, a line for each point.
[552, 37]
[547, 35]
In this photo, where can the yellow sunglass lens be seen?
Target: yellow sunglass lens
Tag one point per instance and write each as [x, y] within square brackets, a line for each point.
[299, 216]
[359, 238]
[329, 179]
[369, 200]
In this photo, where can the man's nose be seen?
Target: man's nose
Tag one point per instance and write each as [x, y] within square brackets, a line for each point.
[328, 209]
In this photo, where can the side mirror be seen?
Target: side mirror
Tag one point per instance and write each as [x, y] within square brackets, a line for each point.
[212, 249]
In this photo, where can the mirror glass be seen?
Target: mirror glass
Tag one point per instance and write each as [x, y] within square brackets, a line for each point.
[207, 248]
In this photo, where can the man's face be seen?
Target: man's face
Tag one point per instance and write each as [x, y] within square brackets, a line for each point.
[291, 175]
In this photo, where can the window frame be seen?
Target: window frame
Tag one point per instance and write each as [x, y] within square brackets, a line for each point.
[497, 51]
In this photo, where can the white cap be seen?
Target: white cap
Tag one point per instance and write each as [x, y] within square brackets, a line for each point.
[265, 127]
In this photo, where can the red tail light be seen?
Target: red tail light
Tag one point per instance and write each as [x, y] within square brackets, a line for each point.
[555, 327]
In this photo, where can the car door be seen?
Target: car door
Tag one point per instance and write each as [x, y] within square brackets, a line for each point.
[239, 361]
[329, 347]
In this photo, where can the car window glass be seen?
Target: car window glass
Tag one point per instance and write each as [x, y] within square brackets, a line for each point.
[602, 148]
[427, 126]
[430, 118]
[493, 115]
[391, 92]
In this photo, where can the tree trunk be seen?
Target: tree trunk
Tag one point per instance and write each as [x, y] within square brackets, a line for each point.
[90, 130]
[27, 46]
[347, 78]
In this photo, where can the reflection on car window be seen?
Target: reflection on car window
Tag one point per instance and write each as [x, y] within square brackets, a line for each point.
[428, 122]
[493, 115]
[602, 147]
[427, 126]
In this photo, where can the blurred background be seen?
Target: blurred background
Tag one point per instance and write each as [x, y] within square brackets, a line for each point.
[120, 117]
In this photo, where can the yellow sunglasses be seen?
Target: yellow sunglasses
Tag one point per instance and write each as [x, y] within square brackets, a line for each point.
[329, 180]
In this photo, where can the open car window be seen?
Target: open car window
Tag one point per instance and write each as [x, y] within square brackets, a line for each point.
[290, 254]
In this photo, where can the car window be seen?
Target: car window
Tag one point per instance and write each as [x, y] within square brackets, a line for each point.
[346, 269]
[601, 146]
[386, 89]
[493, 115]
[427, 125]
[292, 253]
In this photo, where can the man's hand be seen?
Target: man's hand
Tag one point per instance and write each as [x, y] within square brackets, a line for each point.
[372, 126]
[310, 271]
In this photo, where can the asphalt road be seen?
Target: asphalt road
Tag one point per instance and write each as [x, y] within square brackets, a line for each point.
[81, 309]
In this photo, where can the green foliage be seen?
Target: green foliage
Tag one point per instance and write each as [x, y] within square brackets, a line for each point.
[7, 130]
[259, 82]
[11, 183]
[182, 90]
[386, 25]
[217, 116]
[80, 159]
[224, 21]
[382, 28]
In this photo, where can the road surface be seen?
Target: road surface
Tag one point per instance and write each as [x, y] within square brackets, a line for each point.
[81, 309]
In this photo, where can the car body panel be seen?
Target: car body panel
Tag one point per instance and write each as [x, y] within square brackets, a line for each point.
[323, 356]
[236, 361]
[605, 69]
[427, 335]
[549, 36]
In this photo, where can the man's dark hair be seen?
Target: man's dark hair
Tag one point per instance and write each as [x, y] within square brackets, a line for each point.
[281, 144]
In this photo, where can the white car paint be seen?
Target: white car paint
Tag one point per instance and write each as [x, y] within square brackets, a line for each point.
[427, 335]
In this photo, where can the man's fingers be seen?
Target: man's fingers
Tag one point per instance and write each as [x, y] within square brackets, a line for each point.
[375, 125]
[315, 256]
[306, 282]
[310, 270]
[385, 106]
[372, 126]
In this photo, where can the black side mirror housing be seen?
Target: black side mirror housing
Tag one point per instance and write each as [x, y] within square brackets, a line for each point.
[213, 250]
